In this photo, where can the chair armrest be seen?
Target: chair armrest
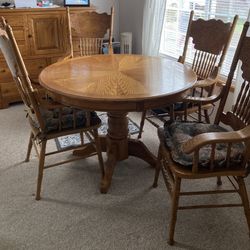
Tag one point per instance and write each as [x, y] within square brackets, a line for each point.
[206, 100]
[211, 80]
[201, 100]
[205, 83]
[201, 140]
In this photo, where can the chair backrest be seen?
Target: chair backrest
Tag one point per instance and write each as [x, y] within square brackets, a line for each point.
[210, 39]
[18, 70]
[239, 116]
[87, 31]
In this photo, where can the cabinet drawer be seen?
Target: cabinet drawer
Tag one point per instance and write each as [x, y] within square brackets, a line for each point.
[19, 34]
[5, 74]
[35, 66]
[10, 90]
[22, 47]
[17, 20]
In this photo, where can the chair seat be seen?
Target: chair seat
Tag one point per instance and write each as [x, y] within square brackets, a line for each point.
[180, 107]
[177, 133]
[53, 121]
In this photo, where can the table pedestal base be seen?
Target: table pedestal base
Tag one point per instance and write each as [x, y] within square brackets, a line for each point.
[119, 147]
[135, 148]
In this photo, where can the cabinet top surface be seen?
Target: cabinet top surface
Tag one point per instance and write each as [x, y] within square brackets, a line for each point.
[13, 10]
[108, 78]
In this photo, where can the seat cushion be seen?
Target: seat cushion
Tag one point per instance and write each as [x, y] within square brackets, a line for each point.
[52, 120]
[178, 106]
[177, 133]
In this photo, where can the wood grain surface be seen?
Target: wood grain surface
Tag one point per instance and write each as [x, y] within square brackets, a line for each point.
[132, 81]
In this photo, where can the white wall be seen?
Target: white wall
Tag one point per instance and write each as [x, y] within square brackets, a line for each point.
[131, 18]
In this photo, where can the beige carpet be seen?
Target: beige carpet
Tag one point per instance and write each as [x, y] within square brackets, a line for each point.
[74, 215]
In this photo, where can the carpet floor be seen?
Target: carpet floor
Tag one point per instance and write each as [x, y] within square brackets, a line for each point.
[74, 215]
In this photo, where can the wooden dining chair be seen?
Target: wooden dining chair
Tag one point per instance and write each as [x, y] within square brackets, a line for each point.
[190, 150]
[87, 31]
[48, 120]
[206, 44]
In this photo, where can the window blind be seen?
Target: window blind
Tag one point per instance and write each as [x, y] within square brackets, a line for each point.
[177, 17]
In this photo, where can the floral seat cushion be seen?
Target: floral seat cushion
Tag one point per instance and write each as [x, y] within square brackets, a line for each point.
[52, 119]
[177, 133]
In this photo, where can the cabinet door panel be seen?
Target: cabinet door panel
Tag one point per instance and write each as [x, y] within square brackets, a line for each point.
[47, 34]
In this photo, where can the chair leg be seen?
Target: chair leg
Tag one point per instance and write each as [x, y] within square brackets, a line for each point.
[175, 202]
[199, 113]
[29, 147]
[207, 119]
[82, 138]
[157, 168]
[219, 182]
[143, 116]
[185, 112]
[245, 201]
[99, 151]
[40, 169]
[172, 116]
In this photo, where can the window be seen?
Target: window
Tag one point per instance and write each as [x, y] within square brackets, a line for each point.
[177, 17]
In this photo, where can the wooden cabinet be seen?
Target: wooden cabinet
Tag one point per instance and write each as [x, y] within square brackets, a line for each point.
[42, 37]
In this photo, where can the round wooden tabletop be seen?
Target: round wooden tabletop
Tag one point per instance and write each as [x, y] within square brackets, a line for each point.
[117, 82]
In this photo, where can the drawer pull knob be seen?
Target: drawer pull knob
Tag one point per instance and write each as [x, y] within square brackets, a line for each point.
[29, 36]
[3, 71]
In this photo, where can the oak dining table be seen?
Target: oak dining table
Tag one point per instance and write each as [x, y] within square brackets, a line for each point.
[118, 84]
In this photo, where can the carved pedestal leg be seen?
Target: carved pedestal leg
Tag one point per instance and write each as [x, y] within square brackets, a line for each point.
[138, 149]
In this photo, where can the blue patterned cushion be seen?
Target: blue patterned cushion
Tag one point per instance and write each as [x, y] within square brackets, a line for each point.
[177, 133]
[178, 106]
[52, 121]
